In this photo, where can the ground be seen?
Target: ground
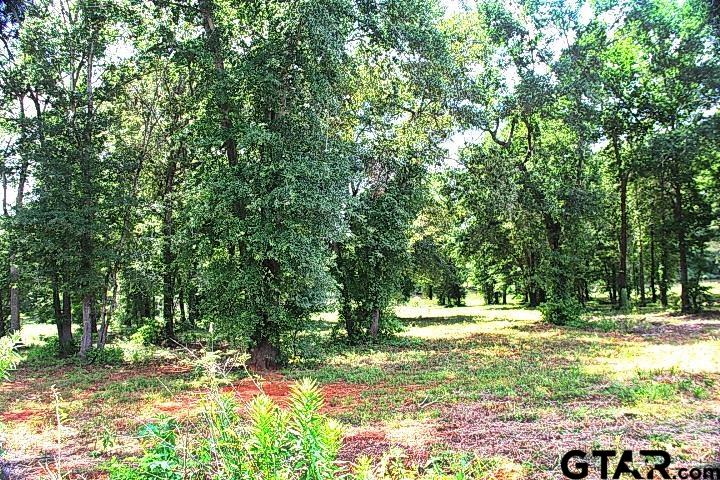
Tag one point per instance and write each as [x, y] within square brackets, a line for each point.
[495, 381]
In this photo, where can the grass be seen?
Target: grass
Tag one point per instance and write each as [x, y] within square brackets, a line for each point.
[493, 380]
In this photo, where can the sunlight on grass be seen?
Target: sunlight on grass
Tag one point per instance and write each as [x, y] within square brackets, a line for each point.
[410, 432]
[474, 310]
[471, 353]
[698, 357]
[33, 333]
[464, 329]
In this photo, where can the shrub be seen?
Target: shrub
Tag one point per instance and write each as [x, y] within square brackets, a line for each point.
[562, 311]
[149, 334]
[295, 444]
[161, 460]
[135, 352]
[8, 357]
[106, 356]
[47, 353]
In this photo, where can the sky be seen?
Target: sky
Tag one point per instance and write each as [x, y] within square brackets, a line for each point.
[453, 7]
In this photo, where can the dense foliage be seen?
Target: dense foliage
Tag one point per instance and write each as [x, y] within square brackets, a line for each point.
[243, 166]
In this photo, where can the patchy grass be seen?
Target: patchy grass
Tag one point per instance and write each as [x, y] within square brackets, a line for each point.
[490, 380]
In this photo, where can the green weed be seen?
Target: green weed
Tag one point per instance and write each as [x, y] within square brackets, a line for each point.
[8, 357]
[644, 391]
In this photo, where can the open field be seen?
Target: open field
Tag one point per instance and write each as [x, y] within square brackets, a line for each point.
[493, 381]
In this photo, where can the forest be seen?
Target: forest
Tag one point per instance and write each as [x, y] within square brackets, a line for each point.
[302, 185]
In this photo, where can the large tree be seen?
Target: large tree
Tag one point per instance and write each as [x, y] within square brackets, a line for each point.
[397, 121]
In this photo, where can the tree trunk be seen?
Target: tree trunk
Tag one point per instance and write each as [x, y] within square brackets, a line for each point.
[375, 323]
[641, 274]
[66, 341]
[89, 322]
[686, 307]
[263, 355]
[181, 304]
[489, 293]
[504, 296]
[623, 244]
[64, 327]
[14, 298]
[349, 322]
[57, 308]
[653, 266]
[534, 297]
[104, 323]
[168, 274]
[94, 316]
[109, 305]
[622, 284]
[19, 198]
[168, 305]
[86, 341]
[586, 286]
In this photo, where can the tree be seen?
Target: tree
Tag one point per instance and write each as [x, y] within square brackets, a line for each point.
[397, 121]
[18, 154]
[531, 167]
[270, 207]
[437, 264]
[73, 218]
[681, 87]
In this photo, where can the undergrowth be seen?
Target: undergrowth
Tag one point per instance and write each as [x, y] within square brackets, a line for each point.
[8, 357]
[272, 443]
[47, 353]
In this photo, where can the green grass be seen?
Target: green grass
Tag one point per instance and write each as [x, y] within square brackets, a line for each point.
[464, 354]
[644, 391]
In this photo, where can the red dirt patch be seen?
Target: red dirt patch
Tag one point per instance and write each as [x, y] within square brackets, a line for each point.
[21, 416]
[274, 386]
[338, 396]
[278, 388]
